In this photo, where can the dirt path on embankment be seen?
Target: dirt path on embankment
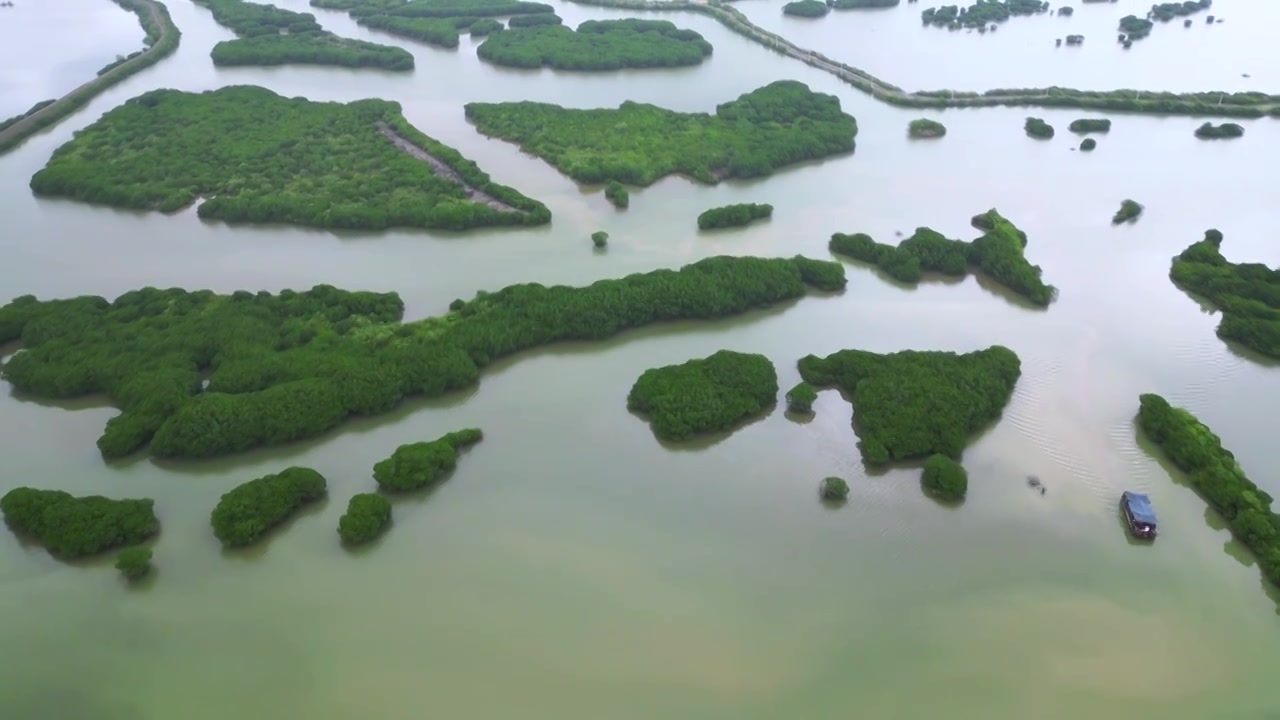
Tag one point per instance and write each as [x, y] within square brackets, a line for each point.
[444, 171]
[30, 123]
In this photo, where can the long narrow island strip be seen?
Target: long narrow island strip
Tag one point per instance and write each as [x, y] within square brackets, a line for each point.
[294, 365]
[269, 35]
[1212, 103]
[1216, 476]
[771, 127]
[160, 41]
[259, 157]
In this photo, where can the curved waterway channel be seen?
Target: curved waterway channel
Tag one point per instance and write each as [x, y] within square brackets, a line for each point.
[573, 567]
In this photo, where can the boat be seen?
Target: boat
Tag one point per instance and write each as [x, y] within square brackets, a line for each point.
[1139, 515]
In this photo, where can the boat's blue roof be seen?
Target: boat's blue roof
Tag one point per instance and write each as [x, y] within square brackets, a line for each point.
[1140, 507]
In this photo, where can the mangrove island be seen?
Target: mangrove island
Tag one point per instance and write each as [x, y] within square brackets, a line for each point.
[1215, 475]
[366, 518]
[293, 365]
[999, 253]
[596, 45]
[250, 510]
[914, 404]
[704, 395]
[777, 125]
[1247, 293]
[926, 128]
[806, 8]
[269, 35]
[259, 157]
[1225, 131]
[72, 527]
[944, 479]
[739, 215]
[1128, 212]
[416, 465]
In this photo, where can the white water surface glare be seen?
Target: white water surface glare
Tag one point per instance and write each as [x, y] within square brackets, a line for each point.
[573, 566]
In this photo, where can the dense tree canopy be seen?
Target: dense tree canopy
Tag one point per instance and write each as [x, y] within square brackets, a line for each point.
[1135, 27]
[366, 518]
[596, 45]
[269, 35]
[436, 22]
[1247, 293]
[1216, 476]
[981, 13]
[806, 8]
[776, 125]
[536, 20]
[417, 465]
[72, 527]
[1090, 125]
[944, 478]
[251, 509]
[914, 404]
[834, 489]
[738, 215]
[616, 193]
[260, 157]
[801, 397]
[1128, 212]
[704, 395]
[926, 128]
[1209, 131]
[134, 563]
[1038, 128]
[999, 253]
[1167, 11]
[1088, 144]
[294, 365]
[860, 4]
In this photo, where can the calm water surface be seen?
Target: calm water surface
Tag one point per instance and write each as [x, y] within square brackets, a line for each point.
[573, 567]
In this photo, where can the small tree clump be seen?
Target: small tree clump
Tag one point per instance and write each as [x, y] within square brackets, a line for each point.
[1038, 128]
[366, 518]
[834, 488]
[134, 563]
[801, 397]
[417, 465]
[926, 128]
[945, 478]
[599, 238]
[1128, 212]
[1088, 144]
[616, 193]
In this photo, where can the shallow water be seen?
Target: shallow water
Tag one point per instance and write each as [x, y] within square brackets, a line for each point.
[573, 567]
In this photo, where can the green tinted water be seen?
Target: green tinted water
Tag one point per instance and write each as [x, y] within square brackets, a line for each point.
[575, 568]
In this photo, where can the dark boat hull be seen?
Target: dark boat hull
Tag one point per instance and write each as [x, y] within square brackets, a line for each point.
[1141, 531]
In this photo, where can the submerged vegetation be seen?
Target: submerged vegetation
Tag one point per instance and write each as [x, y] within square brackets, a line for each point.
[366, 518]
[72, 527]
[926, 128]
[597, 45]
[704, 395]
[1216, 476]
[944, 478]
[269, 35]
[981, 13]
[806, 8]
[259, 157]
[915, 404]
[616, 193]
[1247, 293]
[1090, 125]
[417, 465]
[1209, 131]
[738, 215]
[777, 125]
[294, 365]
[134, 563]
[251, 509]
[1038, 128]
[1128, 212]
[999, 253]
